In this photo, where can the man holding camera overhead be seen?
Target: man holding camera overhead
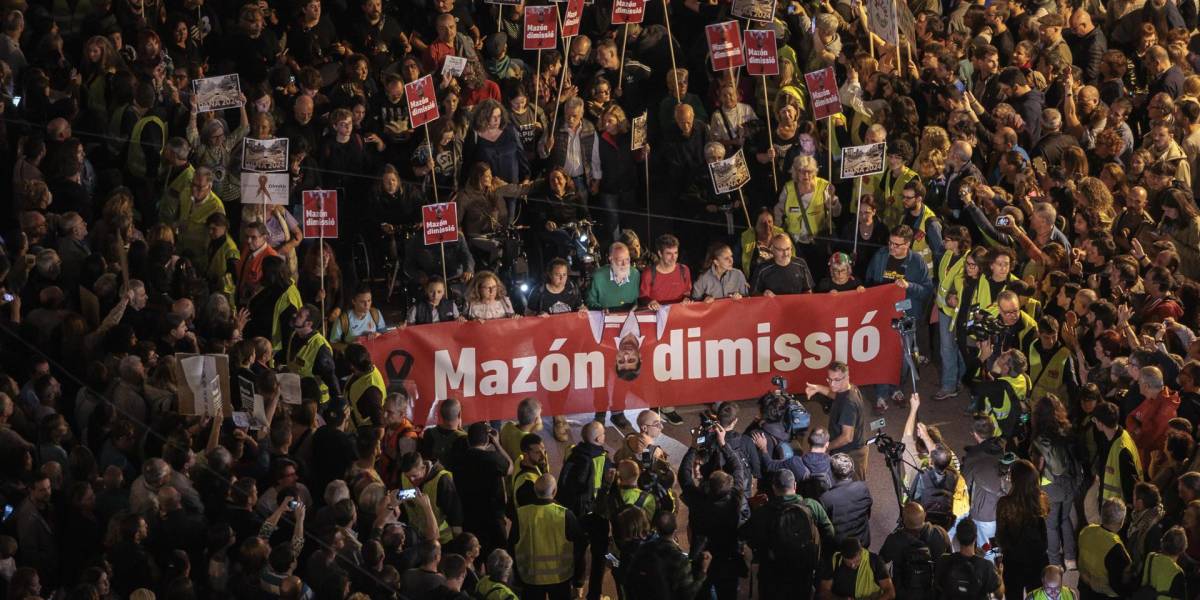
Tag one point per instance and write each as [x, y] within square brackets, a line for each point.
[847, 417]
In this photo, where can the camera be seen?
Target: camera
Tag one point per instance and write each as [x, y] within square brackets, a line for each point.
[705, 433]
[983, 325]
[786, 408]
[1003, 221]
[293, 504]
[406, 495]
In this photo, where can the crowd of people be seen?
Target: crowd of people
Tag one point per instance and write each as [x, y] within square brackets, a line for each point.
[1036, 205]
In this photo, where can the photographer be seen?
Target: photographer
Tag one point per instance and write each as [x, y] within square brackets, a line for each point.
[1004, 391]
[655, 473]
[982, 468]
[911, 550]
[717, 507]
[848, 502]
[743, 450]
[847, 419]
[786, 535]
[897, 264]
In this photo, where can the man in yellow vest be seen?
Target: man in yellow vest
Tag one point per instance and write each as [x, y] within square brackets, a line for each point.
[586, 468]
[223, 256]
[1161, 570]
[855, 572]
[892, 182]
[548, 543]
[496, 584]
[1102, 555]
[176, 179]
[627, 493]
[146, 140]
[1052, 586]
[365, 389]
[437, 483]
[1051, 364]
[192, 228]
[529, 420]
[807, 207]
[949, 277]
[309, 355]
[533, 465]
[927, 230]
[1122, 464]
[1004, 390]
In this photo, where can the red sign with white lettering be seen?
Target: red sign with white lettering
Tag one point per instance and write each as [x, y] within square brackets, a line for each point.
[540, 22]
[572, 18]
[762, 56]
[628, 11]
[320, 213]
[422, 101]
[725, 45]
[441, 222]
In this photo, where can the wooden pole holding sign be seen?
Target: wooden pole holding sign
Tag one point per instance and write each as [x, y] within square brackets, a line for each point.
[445, 280]
[432, 173]
[745, 211]
[561, 81]
[321, 261]
[770, 133]
[671, 47]
[857, 213]
[499, 17]
[537, 82]
[621, 69]
[828, 211]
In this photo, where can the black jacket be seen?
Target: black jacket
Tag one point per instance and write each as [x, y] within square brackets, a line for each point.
[714, 521]
[576, 479]
[848, 503]
[981, 467]
[1086, 52]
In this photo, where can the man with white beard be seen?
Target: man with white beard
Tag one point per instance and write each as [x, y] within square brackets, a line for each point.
[615, 287]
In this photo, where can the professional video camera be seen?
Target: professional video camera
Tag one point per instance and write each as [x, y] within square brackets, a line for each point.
[892, 450]
[705, 434]
[982, 325]
[786, 408]
[656, 479]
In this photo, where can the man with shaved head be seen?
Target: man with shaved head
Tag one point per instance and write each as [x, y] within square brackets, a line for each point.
[586, 468]
[548, 542]
[912, 548]
[1087, 43]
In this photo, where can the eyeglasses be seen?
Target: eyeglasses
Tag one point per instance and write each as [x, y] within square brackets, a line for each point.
[908, 197]
[657, 424]
[892, 244]
[836, 379]
[1010, 312]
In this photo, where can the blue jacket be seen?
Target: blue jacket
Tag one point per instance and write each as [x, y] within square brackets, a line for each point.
[920, 285]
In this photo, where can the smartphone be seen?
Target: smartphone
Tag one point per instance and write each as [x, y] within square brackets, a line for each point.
[612, 560]
[1003, 221]
[7, 297]
[406, 495]
[17, 100]
[8, 511]
[293, 504]
[879, 424]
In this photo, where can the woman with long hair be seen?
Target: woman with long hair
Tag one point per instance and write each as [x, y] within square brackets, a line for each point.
[555, 203]
[494, 140]
[618, 189]
[313, 272]
[1180, 224]
[1021, 530]
[487, 299]
[440, 163]
[482, 212]
[1062, 475]
[215, 147]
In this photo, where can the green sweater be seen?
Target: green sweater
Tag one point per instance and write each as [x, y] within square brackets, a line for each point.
[604, 294]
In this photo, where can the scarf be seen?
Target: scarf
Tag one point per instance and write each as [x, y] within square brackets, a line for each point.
[498, 67]
[1139, 526]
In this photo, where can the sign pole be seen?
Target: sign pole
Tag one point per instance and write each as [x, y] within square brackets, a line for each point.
[621, 69]
[857, 213]
[867, 26]
[745, 211]
[671, 47]
[561, 81]
[829, 152]
[646, 164]
[433, 173]
[537, 82]
[770, 133]
[499, 16]
[445, 280]
[896, 28]
[321, 261]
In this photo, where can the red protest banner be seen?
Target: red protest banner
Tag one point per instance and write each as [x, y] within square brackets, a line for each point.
[572, 17]
[441, 222]
[762, 56]
[540, 22]
[692, 353]
[628, 11]
[422, 101]
[320, 213]
[822, 88]
[725, 45]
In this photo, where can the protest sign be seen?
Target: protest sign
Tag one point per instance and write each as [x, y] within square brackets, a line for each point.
[422, 101]
[694, 353]
[217, 93]
[264, 188]
[822, 89]
[881, 15]
[540, 22]
[754, 10]
[862, 161]
[441, 222]
[204, 384]
[454, 66]
[264, 156]
[572, 18]
[729, 174]
[762, 55]
[628, 11]
[725, 45]
[320, 213]
[637, 132]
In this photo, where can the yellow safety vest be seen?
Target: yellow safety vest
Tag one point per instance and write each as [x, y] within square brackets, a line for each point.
[891, 196]
[1111, 485]
[1095, 542]
[510, 439]
[1064, 593]
[372, 379]
[192, 240]
[983, 293]
[521, 478]
[135, 161]
[750, 246]
[487, 589]
[290, 297]
[1160, 573]
[429, 488]
[920, 244]
[597, 470]
[544, 556]
[1020, 386]
[864, 581]
[303, 361]
[640, 499]
[813, 219]
[173, 195]
[1048, 372]
[950, 271]
[218, 273]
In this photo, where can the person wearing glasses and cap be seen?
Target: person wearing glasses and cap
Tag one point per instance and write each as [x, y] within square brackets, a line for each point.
[899, 265]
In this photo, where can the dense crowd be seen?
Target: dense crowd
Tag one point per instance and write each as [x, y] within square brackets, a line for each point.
[1036, 204]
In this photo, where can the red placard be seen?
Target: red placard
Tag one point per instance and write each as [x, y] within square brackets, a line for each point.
[320, 213]
[540, 22]
[441, 222]
[422, 101]
[686, 354]
[572, 18]
[628, 11]
[725, 45]
[822, 88]
[762, 56]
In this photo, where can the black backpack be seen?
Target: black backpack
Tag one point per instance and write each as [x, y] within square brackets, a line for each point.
[937, 499]
[959, 581]
[914, 576]
[644, 575]
[794, 540]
